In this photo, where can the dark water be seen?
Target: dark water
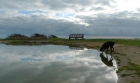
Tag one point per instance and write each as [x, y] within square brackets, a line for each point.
[53, 64]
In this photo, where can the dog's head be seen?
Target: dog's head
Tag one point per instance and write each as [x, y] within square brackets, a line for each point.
[101, 49]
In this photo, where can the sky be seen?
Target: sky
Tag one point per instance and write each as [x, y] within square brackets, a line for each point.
[115, 18]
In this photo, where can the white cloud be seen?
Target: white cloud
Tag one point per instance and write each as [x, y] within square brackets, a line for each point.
[64, 15]
[129, 5]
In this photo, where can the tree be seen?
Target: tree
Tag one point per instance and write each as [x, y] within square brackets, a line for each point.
[37, 35]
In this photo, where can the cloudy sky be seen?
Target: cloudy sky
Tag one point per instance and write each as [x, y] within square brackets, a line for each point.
[63, 17]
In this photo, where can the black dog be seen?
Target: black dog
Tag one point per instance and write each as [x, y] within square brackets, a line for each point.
[107, 45]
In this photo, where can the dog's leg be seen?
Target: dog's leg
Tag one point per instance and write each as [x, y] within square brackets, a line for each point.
[106, 56]
[111, 58]
[113, 48]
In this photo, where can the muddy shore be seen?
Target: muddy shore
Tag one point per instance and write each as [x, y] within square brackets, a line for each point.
[123, 55]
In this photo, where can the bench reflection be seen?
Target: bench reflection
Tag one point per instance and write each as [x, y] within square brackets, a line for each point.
[76, 47]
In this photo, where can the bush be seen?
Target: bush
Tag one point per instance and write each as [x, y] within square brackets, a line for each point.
[39, 35]
[33, 36]
[53, 36]
[17, 36]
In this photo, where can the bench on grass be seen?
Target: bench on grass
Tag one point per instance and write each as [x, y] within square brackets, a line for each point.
[76, 36]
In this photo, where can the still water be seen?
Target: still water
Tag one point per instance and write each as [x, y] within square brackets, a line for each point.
[54, 64]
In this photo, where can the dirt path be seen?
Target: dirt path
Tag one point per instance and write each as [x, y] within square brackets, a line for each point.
[126, 54]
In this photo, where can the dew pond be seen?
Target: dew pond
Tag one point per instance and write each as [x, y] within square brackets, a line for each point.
[55, 64]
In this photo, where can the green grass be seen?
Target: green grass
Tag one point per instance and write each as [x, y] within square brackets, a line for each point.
[132, 82]
[132, 66]
[119, 41]
[123, 75]
[118, 59]
[135, 67]
[130, 42]
[123, 54]
[56, 39]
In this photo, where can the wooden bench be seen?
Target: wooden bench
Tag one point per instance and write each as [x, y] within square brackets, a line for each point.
[76, 36]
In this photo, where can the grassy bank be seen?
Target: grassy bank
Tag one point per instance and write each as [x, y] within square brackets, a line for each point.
[62, 40]
[134, 42]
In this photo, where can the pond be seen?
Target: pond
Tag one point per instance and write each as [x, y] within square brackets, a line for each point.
[55, 64]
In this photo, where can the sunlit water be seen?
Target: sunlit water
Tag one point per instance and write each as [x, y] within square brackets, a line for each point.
[53, 64]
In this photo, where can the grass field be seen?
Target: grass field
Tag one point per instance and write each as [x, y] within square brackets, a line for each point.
[120, 41]
[135, 42]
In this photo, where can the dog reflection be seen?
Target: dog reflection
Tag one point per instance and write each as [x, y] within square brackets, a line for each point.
[106, 61]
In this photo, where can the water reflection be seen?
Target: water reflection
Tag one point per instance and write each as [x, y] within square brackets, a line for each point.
[104, 58]
[53, 64]
[77, 47]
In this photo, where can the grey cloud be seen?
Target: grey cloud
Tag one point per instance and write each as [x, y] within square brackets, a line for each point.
[119, 23]
[33, 24]
[54, 5]
[89, 2]
[138, 9]
[113, 24]
[103, 24]
[79, 2]
[17, 4]
[97, 8]
[50, 4]
[105, 2]
[64, 4]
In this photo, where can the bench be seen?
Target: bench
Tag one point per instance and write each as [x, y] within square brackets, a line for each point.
[76, 36]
